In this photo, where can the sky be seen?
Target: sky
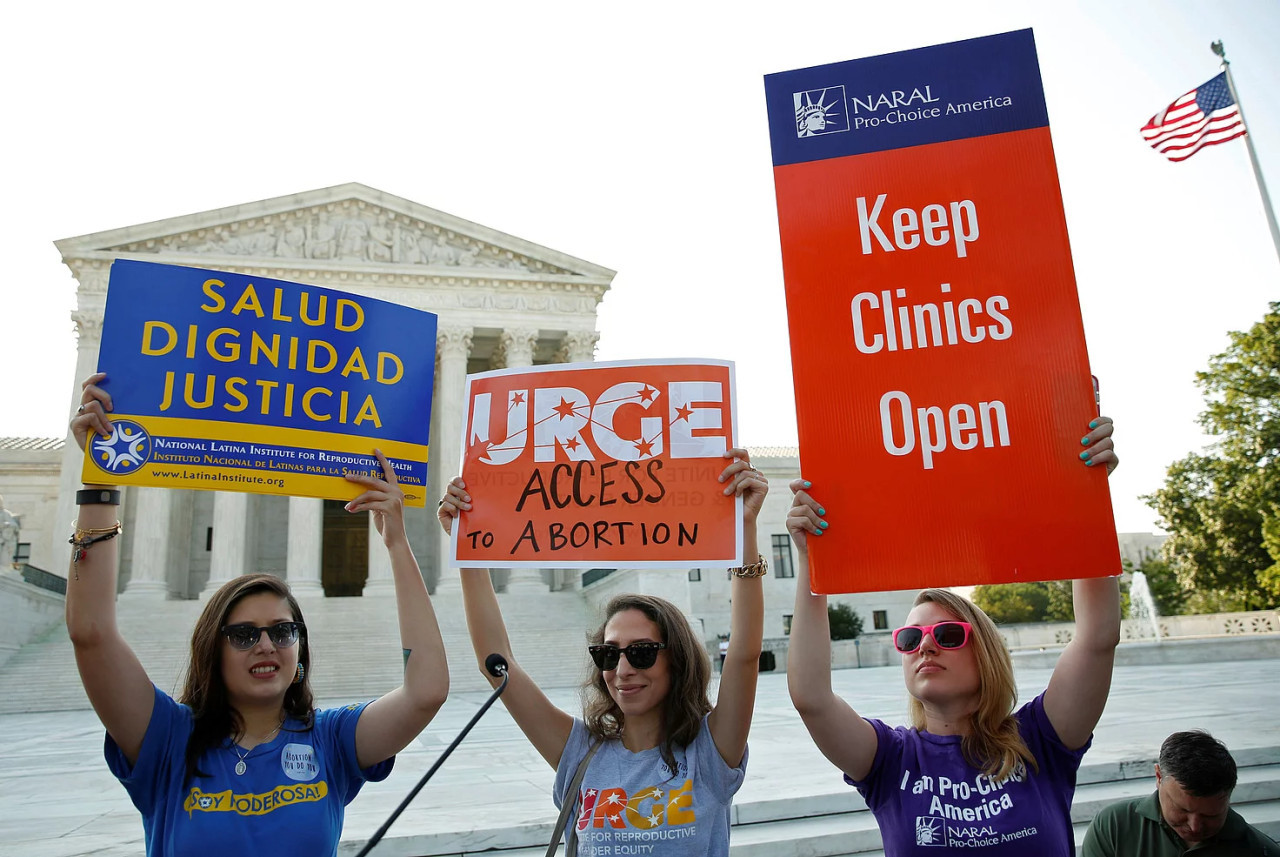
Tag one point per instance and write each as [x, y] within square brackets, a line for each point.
[633, 137]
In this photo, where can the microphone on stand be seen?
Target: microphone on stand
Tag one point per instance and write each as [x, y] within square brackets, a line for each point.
[496, 665]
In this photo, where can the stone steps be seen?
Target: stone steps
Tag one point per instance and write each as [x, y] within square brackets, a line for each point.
[356, 651]
[838, 824]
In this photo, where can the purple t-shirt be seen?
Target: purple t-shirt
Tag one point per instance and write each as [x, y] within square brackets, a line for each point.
[924, 795]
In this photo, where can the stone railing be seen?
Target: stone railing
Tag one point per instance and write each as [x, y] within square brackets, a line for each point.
[1053, 635]
[26, 612]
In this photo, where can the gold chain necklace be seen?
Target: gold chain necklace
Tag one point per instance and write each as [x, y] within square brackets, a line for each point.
[241, 767]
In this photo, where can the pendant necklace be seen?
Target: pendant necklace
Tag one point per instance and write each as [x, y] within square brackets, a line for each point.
[241, 767]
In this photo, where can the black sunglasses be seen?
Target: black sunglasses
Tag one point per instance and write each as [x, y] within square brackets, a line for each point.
[641, 656]
[246, 636]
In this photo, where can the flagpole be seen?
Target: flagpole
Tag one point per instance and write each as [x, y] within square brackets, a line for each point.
[1218, 49]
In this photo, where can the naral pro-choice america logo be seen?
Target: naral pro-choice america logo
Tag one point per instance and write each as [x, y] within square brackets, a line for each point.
[126, 449]
[821, 111]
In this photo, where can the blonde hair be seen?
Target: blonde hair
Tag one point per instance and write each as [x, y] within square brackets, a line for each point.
[993, 743]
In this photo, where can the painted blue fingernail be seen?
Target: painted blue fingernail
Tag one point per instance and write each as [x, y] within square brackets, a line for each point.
[818, 533]
[1084, 455]
[823, 524]
[1089, 463]
[808, 484]
[821, 511]
[1093, 423]
[1085, 441]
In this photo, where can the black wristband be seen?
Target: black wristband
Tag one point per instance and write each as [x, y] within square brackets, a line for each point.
[95, 496]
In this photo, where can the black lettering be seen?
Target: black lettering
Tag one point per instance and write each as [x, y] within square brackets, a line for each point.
[622, 531]
[602, 534]
[686, 537]
[605, 482]
[661, 534]
[577, 483]
[540, 490]
[527, 534]
[652, 469]
[555, 485]
[573, 534]
[631, 467]
[557, 536]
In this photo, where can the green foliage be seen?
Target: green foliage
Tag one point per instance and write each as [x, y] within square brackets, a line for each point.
[1222, 507]
[1009, 603]
[845, 622]
[1166, 591]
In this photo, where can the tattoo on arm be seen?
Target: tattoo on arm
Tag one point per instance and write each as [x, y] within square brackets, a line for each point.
[407, 652]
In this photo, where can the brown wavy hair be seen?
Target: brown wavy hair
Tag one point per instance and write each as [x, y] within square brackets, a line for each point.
[993, 743]
[688, 664]
[204, 692]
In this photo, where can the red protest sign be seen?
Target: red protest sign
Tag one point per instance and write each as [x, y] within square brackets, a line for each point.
[942, 383]
[599, 465]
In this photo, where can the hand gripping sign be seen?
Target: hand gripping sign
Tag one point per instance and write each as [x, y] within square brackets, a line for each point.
[937, 346]
[599, 465]
[231, 383]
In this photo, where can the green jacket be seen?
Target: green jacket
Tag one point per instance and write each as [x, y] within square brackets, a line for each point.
[1136, 829]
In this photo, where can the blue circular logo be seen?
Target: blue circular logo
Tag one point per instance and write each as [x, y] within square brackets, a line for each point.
[125, 450]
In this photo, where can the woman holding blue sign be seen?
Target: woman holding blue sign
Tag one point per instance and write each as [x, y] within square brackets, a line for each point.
[242, 763]
[970, 772]
[651, 760]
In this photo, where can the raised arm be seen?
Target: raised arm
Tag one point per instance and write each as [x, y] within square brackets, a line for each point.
[546, 726]
[113, 678]
[1081, 681]
[730, 720]
[389, 723]
[847, 740]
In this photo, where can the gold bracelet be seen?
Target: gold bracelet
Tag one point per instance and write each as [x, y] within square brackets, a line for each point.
[756, 569]
[82, 533]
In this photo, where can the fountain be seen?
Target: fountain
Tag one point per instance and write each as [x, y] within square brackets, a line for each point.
[1142, 607]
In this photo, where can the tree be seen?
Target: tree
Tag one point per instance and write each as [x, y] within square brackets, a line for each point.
[1221, 507]
[1166, 591]
[845, 622]
[1010, 603]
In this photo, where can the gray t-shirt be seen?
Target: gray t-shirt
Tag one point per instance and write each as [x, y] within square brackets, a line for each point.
[633, 803]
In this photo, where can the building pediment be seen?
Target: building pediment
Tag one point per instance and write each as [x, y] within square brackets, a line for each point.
[350, 226]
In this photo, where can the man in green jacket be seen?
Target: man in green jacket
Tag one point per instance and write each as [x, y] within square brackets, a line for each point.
[1189, 812]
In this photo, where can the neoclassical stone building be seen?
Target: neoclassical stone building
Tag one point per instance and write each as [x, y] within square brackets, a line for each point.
[501, 301]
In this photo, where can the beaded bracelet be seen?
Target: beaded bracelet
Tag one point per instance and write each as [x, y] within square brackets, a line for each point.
[83, 539]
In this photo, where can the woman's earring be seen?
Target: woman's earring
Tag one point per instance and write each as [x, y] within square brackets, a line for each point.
[297, 676]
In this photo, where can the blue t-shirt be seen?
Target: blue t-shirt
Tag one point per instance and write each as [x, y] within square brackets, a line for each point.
[635, 803]
[924, 794]
[289, 801]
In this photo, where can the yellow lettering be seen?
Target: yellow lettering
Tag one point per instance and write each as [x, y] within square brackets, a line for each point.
[266, 387]
[234, 389]
[288, 400]
[248, 301]
[312, 348]
[232, 352]
[356, 364]
[306, 403]
[357, 318]
[189, 394]
[168, 392]
[383, 358]
[210, 289]
[193, 333]
[641, 816]
[368, 412]
[276, 313]
[302, 310]
[257, 347]
[680, 805]
[151, 350]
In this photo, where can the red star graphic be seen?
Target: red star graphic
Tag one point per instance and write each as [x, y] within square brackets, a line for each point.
[647, 394]
[564, 409]
[684, 412]
[517, 398]
[572, 445]
[645, 447]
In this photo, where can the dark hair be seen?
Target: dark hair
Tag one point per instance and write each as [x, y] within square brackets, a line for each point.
[204, 692]
[1201, 764]
[686, 703]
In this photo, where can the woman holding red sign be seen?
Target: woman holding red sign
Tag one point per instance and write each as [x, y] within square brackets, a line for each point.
[242, 762]
[970, 771]
[651, 759]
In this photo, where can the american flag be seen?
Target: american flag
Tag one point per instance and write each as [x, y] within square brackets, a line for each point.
[1205, 116]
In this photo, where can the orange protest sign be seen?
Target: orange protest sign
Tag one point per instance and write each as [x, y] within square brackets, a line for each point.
[942, 383]
[599, 465]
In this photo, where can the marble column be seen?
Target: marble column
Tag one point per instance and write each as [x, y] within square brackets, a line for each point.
[577, 346]
[306, 542]
[232, 540]
[453, 347]
[56, 555]
[516, 346]
[380, 580]
[148, 580]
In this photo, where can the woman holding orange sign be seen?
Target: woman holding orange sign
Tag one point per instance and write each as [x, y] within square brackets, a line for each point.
[970, 771]
[652, 759]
